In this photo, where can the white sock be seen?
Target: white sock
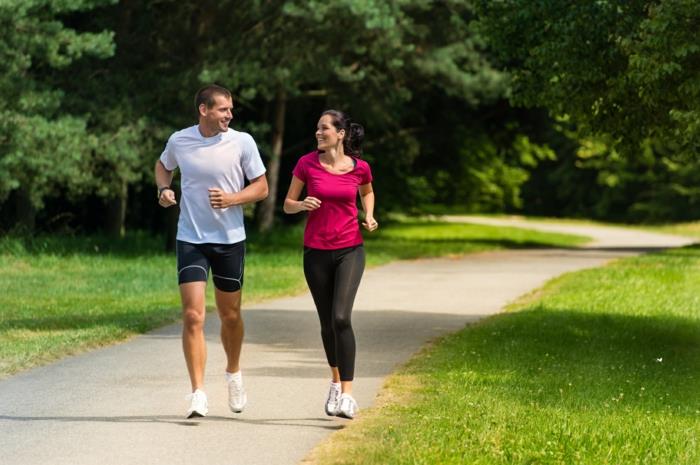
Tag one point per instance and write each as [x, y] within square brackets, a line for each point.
[237, 377]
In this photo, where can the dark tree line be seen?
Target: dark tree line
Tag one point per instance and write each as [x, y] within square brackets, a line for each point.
[478, 106]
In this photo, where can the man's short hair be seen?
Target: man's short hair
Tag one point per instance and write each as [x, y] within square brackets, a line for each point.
[206, 95]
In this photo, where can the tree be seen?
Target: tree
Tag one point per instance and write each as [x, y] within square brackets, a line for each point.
[363, 56]
[624, 73]
[624, 68]
[41, 148]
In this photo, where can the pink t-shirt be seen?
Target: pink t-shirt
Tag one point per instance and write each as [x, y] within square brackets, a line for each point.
[334, 225]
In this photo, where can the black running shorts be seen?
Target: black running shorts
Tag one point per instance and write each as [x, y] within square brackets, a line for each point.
[225, 260]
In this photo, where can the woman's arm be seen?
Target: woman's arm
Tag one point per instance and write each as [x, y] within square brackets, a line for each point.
[367, 199]
[292, 204]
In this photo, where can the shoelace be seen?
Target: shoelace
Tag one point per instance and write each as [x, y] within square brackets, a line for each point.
[351, 404]
[196, 397]
[235, 388]
[333, 394]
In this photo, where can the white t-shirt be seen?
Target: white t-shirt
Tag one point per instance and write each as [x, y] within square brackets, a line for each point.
[222, 161]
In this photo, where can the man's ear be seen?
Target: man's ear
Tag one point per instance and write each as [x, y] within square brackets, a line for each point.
[202, 109]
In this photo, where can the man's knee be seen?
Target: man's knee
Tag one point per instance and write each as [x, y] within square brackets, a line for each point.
[231, 315]
[193, 318]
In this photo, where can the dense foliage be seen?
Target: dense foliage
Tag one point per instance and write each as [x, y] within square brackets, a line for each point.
[587, 109]
[624, 75]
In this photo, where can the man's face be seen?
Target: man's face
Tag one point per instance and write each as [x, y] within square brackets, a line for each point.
[217, 118]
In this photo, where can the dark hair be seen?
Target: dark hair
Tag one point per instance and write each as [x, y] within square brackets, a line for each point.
[354, 132]
[206, 95]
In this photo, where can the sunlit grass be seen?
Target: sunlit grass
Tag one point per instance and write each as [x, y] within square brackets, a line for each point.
[690, 229]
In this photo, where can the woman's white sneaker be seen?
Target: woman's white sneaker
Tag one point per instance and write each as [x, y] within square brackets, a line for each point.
[198, 404]
[347, 407]
[332, 399]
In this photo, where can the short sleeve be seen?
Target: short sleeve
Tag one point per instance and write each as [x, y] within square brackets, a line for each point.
[168, 158]
[300, 170]
[365, 174]
[253, 166]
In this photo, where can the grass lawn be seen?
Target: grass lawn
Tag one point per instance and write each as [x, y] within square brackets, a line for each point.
[690, 229]
[602, 366]
[62, 295]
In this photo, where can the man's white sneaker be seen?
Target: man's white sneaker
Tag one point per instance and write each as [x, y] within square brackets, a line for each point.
[332, 399]
[198, 404]
[347, 407]
[237, 397]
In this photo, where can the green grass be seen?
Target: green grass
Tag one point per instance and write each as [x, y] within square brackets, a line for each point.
[690, 229]
[600, 367]
[417, 239]
[63, 295]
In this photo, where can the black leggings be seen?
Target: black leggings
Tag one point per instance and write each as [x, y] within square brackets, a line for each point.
[333, 277]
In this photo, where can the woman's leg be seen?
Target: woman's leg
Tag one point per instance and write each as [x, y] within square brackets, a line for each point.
[350, 265]
[319, 273]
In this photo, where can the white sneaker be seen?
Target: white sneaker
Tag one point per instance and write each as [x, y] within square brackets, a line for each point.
[332, 399]
[198, 404]
[237, 397]
[347, 407]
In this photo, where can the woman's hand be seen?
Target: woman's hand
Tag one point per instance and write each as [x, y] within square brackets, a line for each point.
[370, 223]
[310, 203]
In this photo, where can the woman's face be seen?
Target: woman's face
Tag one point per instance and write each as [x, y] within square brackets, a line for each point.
[327, 136]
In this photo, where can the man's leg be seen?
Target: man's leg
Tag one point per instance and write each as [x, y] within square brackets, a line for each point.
[227, 264]
[229, 306]
[193, 341]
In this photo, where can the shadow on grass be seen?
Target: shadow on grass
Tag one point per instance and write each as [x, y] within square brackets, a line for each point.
[132, 321]
[287, 239]
[133, 245]
[579, 360]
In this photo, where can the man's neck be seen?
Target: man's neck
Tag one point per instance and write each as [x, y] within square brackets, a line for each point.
[207, 132]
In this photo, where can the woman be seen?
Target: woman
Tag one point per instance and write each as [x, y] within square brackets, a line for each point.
[334, 257]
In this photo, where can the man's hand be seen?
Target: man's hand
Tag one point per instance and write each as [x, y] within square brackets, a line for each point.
[167, 198]
[219, 199]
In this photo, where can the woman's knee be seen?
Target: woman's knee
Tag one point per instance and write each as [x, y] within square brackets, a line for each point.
[341, 323]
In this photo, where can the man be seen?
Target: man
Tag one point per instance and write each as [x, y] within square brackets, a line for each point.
[214, 162]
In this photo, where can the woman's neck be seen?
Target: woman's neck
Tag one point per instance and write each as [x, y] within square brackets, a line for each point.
[334, 155]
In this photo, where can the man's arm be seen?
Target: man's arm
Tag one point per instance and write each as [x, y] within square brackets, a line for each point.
[253, 192]
[166, 196]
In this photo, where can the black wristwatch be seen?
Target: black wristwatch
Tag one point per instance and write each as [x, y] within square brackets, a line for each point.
[161, 189]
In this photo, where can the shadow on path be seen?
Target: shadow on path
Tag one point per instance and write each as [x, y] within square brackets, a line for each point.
[324, 423]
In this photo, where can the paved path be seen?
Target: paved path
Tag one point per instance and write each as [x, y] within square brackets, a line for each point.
[124, 404]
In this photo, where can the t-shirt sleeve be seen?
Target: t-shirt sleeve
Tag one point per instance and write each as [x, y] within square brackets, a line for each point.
[253, 166]
[168, 158]
[365, 174]
[300, 169]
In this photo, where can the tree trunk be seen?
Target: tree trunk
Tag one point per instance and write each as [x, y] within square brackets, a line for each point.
[267, 206]
[25, 212]
[116, 213]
